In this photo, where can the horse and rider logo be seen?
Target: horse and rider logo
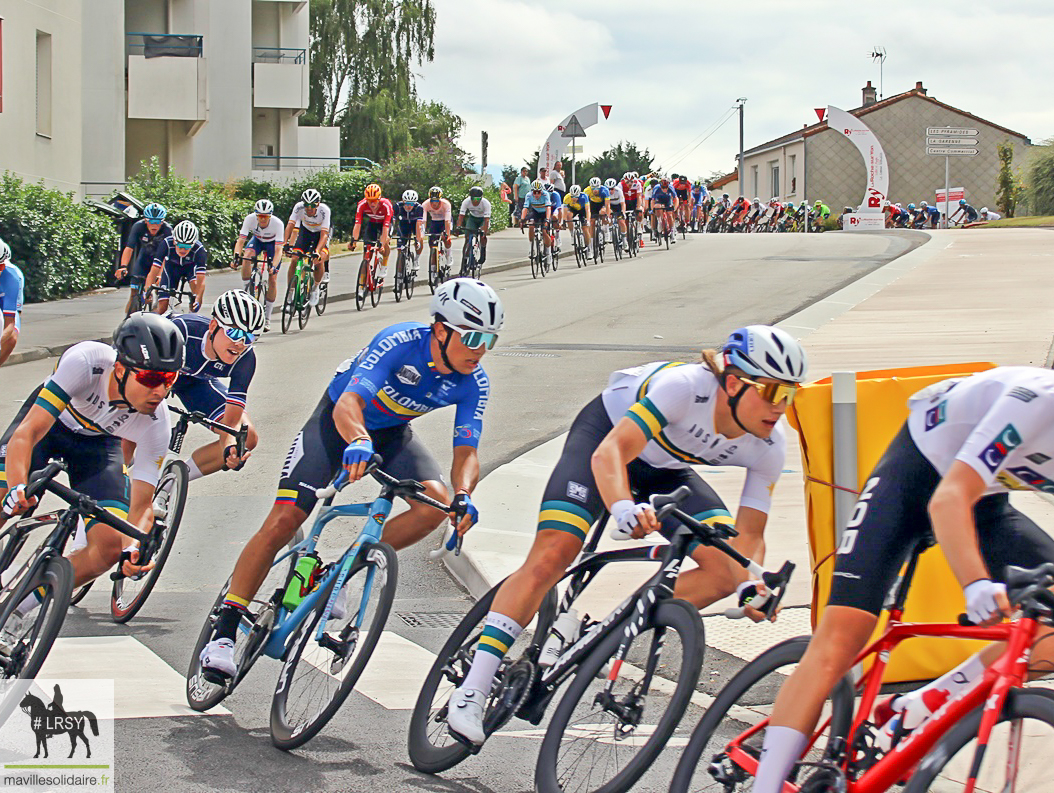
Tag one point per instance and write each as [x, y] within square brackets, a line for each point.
[47, 721]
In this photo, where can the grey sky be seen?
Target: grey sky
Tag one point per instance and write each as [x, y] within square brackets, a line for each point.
[671, 68]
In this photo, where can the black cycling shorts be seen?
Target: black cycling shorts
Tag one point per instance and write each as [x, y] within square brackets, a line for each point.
[631, 204]
[891, 517]
[572, 502]
[681, 194]
[307, 240]
[95, 463]
[318, 450]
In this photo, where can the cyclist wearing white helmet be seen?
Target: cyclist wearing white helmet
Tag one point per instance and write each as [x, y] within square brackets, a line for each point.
[599, 201]
[180, 259]
[220, 348]
[311, 219]
[538, 209]
[639, 437]
[410, 220]
[407, 370]
[617, 204]
[143, 240]
[12, 295]
[576, 205]
[474, 215]
[261, 232]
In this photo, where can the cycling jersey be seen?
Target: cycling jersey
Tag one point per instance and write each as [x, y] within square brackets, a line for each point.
[990, 215]
[316, 223]
[274, 230]
[825, 211]
[616, 195]
[662, 195]
[537, 203]
[597, 195]
[698, 196]
[681, 185]
[199, 367]
[177, 268]
[673, 404]
[408, 219]
[381, 212]
[969, 211]
[577, 203]
[77, 395]
[440, 213]
[396, 377]
[12, 293]
[631, 188]
[145, 243]
[480, 210]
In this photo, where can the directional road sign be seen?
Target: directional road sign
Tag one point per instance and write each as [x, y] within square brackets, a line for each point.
[950, 151]
[950, 131]
[951, 141]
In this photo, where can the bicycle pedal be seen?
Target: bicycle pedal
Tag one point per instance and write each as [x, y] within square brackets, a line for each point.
[215, 677]
[461, 739]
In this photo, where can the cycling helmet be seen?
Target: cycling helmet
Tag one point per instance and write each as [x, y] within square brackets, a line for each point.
[475, 192]
[372, 192]
[847, 211]
[236, 308]
[435, 192]
[697, 183]
[984, 210]
[962, 202]
[756, 201]
[5, 252]
[594, 181]
[468, 303]
[627, 176]
[537, 184]
[410, 197]
[724, 196]
[610, 184]
[766, 351]
[673, 176]
[924, 205]
[819, 202]
[897, 205]
[575, 190]
[911, 206]
[311, 196]
[149, 341]
[263, 207]
[185, 233]
[548, 187]
[664, 180]
[154, 212]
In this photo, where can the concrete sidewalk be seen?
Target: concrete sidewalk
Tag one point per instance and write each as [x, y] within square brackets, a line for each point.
[48, 329]
[983, 296]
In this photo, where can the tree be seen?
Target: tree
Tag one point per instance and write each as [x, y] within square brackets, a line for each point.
[1008, 188]
[1041, 179]
[509, 174]
[614, 162]
[388, 122]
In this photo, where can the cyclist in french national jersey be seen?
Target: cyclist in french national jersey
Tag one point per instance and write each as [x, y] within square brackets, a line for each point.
[639, 437]
[409, 369]
[220, 347]
[180, 258]
[263, 230]
[97, 396]
[946, 476]
[143, 240]
[12, 295]
[312, 218]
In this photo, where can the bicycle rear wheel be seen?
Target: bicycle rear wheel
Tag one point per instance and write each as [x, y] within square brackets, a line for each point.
[288, 307]
[361, 285]
[604, 741]
[375, 293]
[323, 298]
[307, 283]
[411, 275]
[400, 275]
[51, 579]
[317, 677]
[433, 269]
[129, 594]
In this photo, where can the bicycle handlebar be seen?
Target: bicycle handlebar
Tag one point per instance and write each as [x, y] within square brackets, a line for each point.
[1028, 588]
[197, 417]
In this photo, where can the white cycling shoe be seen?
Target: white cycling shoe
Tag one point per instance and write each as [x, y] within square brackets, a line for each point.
[464, 716]
[325, 277]
[218, 657]
[312, 298]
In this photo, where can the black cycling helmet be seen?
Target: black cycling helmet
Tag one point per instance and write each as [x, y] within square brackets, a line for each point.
[149, 341]
[475, 192]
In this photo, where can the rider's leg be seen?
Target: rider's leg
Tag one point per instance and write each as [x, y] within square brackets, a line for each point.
[272, 294]
[321, 266]
[248, 265]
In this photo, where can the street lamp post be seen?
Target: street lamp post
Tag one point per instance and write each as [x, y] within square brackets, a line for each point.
[742, 173]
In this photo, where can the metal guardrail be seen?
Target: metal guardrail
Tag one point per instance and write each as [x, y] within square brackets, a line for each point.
[279, 55]
[164, 45]
[275, 162]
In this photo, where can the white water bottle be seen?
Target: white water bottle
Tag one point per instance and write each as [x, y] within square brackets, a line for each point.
[563, 633]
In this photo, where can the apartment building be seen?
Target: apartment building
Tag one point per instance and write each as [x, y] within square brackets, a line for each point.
[89, 89]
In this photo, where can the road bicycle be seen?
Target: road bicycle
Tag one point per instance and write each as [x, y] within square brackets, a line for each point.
[405, 269]
[367, 283]
[632, 232]
[470, 254]
[600, 240]
[45, 572]
[663, 233]
[259, 270]
[617, 239]
[946, 752]
[438, 264]
[298, 292]
[554, 249]
[618, 712]
[578, 243]
[322, 655]
[538, 257]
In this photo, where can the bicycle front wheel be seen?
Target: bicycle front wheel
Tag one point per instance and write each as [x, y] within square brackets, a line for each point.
[323, 298]
[607, 731]
[375, 292]
[361, 285]
[433, 270]
[317, 676]
[288, 308]
[400, 275]
[129, 594]
[1017, 756]
[411, 274]
[535, 261]
[51, 579]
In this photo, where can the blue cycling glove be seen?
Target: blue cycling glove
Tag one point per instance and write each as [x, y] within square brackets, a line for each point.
[462, 505]
[358, 451]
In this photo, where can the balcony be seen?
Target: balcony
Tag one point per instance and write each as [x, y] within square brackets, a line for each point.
[280, 78]
[166, 77]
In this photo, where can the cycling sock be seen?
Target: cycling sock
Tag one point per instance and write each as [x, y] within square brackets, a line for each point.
[382, 271]
[781, 750]
[918, 705]
[499, 634]
[231, 613]
[195, 472]
[31, 602]
[269, 306]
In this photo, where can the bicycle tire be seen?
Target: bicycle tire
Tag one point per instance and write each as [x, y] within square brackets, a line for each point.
[743, 701]
[400, 275]
[376, 558]
[323, 298]
[408, 285]
[123, 609]
[53, 574]
[1035, 705]
[535, 264]
[360, 286]
[378, 287]
[433, 269]
[288, 307]
[307, 283]
[579, 705]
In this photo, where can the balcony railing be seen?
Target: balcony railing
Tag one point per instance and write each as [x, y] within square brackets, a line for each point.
[275, 162]
[164, 45]
[279, 55]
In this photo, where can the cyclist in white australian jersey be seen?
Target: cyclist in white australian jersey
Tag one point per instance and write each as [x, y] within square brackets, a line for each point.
[640, 437]
[312, 218]
[263, 231]
[618, 206]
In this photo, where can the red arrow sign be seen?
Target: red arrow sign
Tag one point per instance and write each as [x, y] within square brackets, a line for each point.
[820, 112]
[606, 109]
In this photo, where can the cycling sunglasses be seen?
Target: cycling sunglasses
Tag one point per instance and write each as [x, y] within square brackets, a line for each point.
[154, 379]
[313, 205]
[774, 393]
[181, 247]
[237, 334]
[474, 339]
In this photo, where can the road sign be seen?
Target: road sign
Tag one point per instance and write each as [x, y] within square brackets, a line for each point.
[951, 141]
[950, 131]
[950, 151]
[573, 129]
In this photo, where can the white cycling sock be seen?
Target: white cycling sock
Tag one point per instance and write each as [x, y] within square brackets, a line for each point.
[781, 750]
[499, 634]
[382, 271]
[269, 307]
[31, 602]
[195, 472]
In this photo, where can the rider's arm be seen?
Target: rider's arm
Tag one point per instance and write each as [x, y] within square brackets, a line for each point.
[290, 227]
[348, 418]
[153, 276]
[323, 239]
[20, 447]
[951, 514]
[464, 470]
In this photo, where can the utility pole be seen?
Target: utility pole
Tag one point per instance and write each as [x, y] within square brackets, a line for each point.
[483, 166]
[742, 173]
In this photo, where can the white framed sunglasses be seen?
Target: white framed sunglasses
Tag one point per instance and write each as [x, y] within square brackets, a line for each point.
[474, 339]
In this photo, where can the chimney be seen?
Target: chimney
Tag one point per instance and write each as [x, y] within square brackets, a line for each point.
[919, 88]
[870, 94]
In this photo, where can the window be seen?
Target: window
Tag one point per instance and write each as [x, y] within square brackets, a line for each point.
[44, 84]
[774, 169]
[793, 173]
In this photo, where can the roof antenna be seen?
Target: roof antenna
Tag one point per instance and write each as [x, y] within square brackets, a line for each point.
[879, 54]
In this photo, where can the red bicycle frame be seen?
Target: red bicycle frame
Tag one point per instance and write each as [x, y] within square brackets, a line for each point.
[369, 255]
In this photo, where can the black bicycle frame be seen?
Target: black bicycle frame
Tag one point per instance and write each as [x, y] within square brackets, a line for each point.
[179, 431]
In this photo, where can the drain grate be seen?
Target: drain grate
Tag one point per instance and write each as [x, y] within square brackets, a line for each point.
[527, 354]
[423, 619]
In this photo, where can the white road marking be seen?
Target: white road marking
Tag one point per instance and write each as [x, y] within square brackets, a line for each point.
[396, 672]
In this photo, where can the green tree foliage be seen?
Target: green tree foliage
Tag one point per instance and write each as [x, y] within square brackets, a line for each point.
[1041, 179]
[509, 174]
[388, 122]
[622, 157]
[1008, 186]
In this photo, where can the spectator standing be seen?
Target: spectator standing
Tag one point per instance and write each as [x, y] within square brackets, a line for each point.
[506, 196]
[558, 179]
[520, 188]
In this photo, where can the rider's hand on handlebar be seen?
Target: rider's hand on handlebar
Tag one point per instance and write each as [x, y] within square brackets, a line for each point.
[357, 456]
[231, 460]
[15, 502]
[986, 602]
[751, 590]
[464, 512]
[633, 520]
[351, 248]
[129, 567]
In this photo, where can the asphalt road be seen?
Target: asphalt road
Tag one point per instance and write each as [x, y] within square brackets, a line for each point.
[563, 336]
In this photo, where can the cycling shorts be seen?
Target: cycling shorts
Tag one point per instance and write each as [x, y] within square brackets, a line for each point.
[681, 194]
[596, 206]
[579, 213]
[406, 229]
[895, 518]
[662, 202]
[571, 501]
[307, 241]
[536, 216]
[473, 223]
[616, 210]
[631, 204]
[266, 248]
[204, 394]
[141, 268]
[318, 450]
[95, 463]
[434, 228]
[371, 231]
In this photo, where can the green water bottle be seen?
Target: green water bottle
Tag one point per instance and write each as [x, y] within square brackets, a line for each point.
[302, 581]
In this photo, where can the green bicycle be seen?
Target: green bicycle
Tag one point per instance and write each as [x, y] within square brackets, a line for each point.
[296, 296]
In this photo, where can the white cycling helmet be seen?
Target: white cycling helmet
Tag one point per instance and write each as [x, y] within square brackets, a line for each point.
[263, 207]
[627, 176]
[236, 308]
[610, 184]
[468, 303]
[5, 252]
[594, 182]
[410, 197]
[923, 205]
[984, 210]
[311, 196]
[185, 233]
[575, 190]
[765, 351]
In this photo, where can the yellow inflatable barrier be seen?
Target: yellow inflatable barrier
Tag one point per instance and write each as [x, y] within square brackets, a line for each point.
[935, 595]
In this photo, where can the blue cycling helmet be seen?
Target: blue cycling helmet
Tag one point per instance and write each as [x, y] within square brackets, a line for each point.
[911, 206]
[154, 212]
[962, 202]
[765, 351]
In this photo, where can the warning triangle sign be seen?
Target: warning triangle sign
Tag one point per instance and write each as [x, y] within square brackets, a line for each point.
[606, 109]
[573, 129]
[820, 112]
